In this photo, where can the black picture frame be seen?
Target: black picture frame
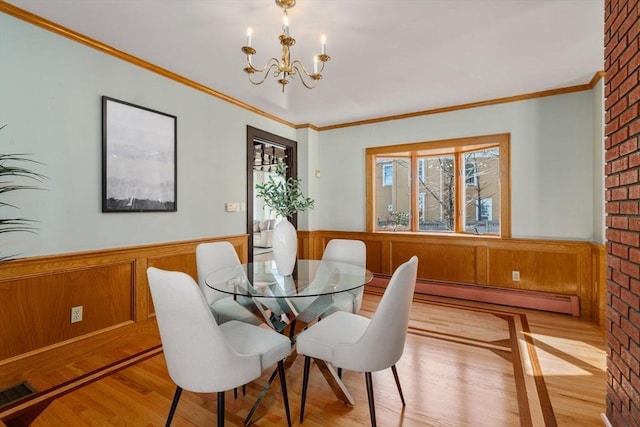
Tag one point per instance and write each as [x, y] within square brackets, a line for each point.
[139, 158]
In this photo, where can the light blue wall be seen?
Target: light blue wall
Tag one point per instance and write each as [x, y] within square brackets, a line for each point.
[50, 89]
[552, 162]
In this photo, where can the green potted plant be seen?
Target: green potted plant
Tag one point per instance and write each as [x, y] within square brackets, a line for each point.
[284, 197]
[12, 171]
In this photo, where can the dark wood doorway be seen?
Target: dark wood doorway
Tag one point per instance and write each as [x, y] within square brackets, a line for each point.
[263, 150]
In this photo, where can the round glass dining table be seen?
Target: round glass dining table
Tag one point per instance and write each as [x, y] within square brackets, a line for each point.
[309, 290]
[306, 294]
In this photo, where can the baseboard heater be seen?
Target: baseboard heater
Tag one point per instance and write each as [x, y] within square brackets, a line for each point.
[537, 300]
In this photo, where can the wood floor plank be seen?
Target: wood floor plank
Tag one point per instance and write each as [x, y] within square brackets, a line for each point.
[464, 364]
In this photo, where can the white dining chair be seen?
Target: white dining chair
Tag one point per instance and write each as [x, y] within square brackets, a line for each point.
[353, 342]
[211, 257]
[352, 252]
[202, 356]
[341, 250]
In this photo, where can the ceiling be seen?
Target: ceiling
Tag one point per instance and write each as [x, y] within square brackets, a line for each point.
[388, 57]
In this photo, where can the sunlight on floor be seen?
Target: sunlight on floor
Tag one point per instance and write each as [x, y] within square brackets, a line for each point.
[567, 357]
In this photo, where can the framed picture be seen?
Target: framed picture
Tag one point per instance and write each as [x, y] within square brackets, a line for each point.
[139, 172]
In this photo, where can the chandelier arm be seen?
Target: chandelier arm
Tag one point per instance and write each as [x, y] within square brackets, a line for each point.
[266, 70]
[314, 77]
[270, 63]
[296, 63]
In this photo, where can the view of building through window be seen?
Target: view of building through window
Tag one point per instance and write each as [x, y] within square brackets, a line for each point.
[439, 188]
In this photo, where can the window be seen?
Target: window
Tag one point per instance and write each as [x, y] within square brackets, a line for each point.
[387, 175]
[394, 204]
[451, 186]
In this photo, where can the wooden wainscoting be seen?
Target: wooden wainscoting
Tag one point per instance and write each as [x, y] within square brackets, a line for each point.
[36, 296]
[545, 266]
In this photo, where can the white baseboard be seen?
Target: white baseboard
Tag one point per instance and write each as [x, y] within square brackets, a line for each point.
[605, 420]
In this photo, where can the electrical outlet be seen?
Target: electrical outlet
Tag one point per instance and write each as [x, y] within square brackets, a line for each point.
[76, 314]
[515, 276]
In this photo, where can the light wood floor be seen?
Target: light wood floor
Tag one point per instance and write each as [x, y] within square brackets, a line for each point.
[464, 364]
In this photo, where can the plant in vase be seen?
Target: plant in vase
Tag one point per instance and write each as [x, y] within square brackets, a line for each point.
[284, 197]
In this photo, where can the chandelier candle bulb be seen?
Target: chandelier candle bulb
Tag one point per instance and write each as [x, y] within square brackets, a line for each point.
[324, 44]
[249, 31]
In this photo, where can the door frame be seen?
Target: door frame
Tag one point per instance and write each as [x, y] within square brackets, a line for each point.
[291, 148]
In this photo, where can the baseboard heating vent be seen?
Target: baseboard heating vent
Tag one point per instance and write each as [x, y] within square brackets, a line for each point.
[16, 392]
[537, 300]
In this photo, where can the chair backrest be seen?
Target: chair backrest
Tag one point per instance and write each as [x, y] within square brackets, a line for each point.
[382, 344]
[197, 355]
[211, 257]
[345, 250]
[352, 252]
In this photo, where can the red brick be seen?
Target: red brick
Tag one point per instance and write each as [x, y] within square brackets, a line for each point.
[612, 47]
[611, 126]
[616, 23]
[630, 114]
[620, 164]
[619, 108]
[627, 25]
[634, 192]
[629, 177]
[612, 181]
[634, 95]
[634, 255]
[612, 368]
[633, 271]
[614, 262]
[629, 145]
[634, 160]
[612, 153]
[619, 278]
[615, 345]
[612, 208]
[619, 334]
[621, 222]
[634, 128]
[630, 238]
[618, 78]
[613, 235]
[634, 317]
[629, 208]
[634, 224]
[627, 56]
[632, 69]
[619, 193]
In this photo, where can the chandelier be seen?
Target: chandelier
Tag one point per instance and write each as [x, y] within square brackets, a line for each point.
[285, 69]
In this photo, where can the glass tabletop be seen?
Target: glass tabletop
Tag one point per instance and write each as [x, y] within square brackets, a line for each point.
[309, 278]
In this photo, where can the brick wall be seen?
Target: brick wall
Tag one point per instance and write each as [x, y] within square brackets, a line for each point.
[622, 138]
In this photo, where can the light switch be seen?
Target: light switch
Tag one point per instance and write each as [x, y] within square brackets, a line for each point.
[232, 207]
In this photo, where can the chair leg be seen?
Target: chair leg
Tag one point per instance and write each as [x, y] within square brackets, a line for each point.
[285, 396]
[305, 383]
[221, 409]
[174, 405]
[395, 375]
[372, 404]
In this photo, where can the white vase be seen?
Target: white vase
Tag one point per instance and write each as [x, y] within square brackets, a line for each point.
[285, 247]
